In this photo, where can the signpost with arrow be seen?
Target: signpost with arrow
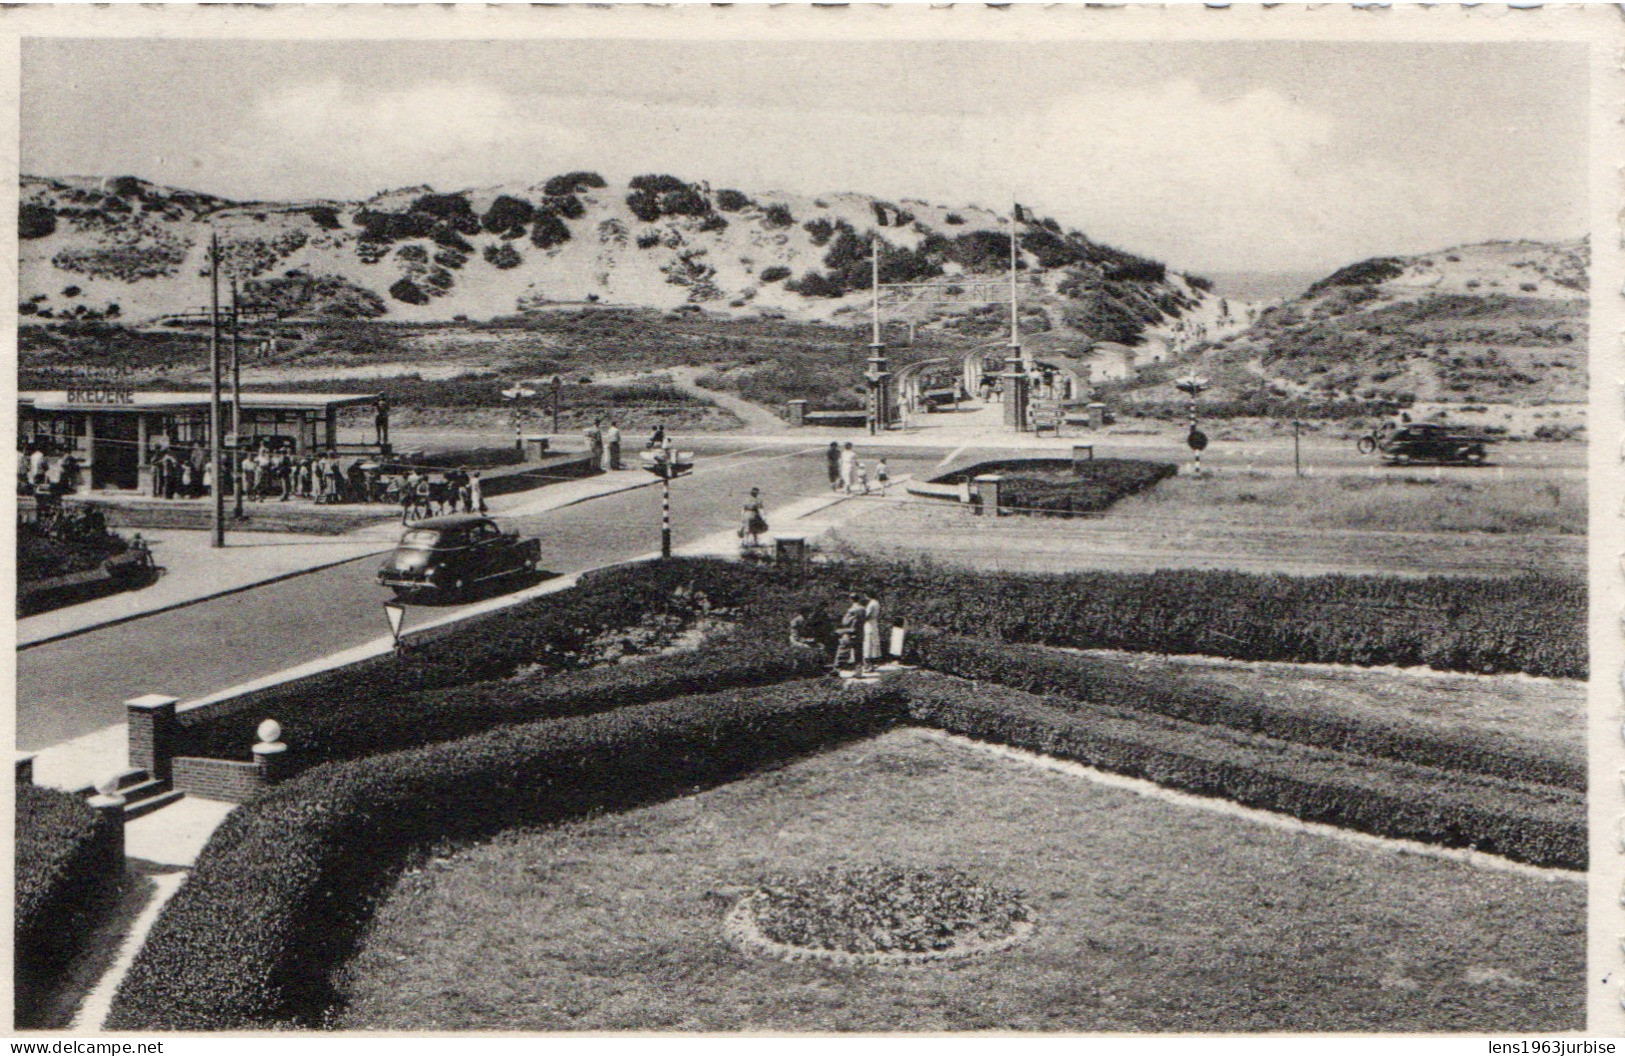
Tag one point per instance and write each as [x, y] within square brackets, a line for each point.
[396, 615]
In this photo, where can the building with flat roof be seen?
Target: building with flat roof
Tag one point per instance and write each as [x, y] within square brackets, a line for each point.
[117, 435]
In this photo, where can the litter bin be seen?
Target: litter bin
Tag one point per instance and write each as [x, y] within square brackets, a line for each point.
[790, 549]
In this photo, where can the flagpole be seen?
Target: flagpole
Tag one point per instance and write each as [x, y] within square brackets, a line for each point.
[1015, 335]
[236, 409]
[874, 283]
[217, 474]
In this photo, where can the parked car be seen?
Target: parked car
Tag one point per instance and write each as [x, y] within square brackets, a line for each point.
[447, 555]
[1428, 443]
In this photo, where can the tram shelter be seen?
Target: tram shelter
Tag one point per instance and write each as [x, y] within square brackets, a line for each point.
[117, 435]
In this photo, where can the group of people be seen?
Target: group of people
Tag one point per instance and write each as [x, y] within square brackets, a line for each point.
[325, 479]
[422, 495]
[1042, 383]
[849, 474]
[604, 441]
[855, 640]
[37, 475]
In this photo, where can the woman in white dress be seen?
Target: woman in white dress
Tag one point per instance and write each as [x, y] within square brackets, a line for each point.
[871, 634]
[849, 467]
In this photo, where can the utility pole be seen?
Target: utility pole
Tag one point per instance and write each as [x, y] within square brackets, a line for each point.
[236, 409]
[218, 488]
[1297, 460]
[558, 383]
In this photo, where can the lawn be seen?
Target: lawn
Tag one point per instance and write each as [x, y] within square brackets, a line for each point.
[1510, 709]
[1396, 501]
[1151, 916]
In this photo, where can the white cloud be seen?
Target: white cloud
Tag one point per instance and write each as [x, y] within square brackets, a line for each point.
[331, 133]
[1254, 180]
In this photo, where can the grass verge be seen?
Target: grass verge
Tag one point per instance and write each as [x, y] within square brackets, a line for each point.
[1151, 917]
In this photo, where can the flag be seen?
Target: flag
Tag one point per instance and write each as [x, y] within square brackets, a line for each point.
[1021, 215]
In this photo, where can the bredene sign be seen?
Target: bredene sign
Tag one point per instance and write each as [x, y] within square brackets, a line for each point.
[120, 396]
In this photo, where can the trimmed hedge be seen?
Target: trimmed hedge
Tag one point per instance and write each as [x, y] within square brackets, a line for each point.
[471, 458]
[548, 634]
[1528, 823]
[344, 729]
[278, 896]
[65, 879]
[1056, 486]
[1535, 624]
[1115, 683]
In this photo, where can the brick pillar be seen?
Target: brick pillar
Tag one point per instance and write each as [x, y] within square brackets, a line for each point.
[987, 489]
[25, 768]
[109, 808]
[151, 722]
[270, 754]
[798, 412]
[1097, 415]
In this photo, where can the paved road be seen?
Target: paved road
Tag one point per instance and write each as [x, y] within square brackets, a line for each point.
[77, 685]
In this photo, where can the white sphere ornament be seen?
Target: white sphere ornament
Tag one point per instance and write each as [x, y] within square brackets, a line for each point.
[270, 731]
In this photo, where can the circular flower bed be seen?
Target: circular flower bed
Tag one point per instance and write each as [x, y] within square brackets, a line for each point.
[879, 914]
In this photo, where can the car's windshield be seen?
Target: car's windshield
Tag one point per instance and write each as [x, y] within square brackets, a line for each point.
[421, 538]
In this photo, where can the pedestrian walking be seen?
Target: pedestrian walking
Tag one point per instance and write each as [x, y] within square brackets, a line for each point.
[199, 458]
[658, 437]
[250, 477]
[882, 475]
[595, 443]
[612, 441]
[38, 464]
[409, 495]
[752, 523]
[833, 459]
[861, 480]
[849, 465]
[476, 496]
[167, 468]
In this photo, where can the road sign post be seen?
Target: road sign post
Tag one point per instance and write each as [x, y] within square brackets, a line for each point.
[1192, 386]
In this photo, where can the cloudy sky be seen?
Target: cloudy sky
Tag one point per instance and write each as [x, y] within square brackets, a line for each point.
[1212, 156]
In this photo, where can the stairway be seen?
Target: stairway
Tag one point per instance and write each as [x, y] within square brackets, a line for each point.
[142, 793]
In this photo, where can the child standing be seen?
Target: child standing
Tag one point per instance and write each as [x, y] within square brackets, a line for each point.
[863, 478]
[882, 477]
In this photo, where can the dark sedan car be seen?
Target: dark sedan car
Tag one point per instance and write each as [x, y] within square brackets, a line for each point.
[1429, 443]
[450, 554]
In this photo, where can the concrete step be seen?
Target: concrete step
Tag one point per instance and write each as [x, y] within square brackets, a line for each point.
[135, 809]
[128, 779]
[136, 793]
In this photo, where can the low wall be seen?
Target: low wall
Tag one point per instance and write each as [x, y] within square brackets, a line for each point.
[223, 779]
